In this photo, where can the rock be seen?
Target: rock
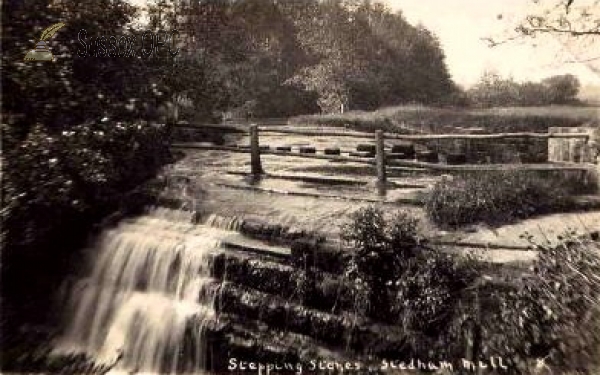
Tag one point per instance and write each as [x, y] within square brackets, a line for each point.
[362, 154]
[366, 147]
[307, 150]
[406, 148]
[428, 157]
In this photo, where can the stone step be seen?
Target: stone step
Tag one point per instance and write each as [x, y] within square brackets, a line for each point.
[307, 150]
[342, 330]
[322, 290]
[363, 147]
[332, 151]
[404, 148]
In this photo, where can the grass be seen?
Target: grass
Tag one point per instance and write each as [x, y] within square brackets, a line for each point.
[494, 198]
[420, 119]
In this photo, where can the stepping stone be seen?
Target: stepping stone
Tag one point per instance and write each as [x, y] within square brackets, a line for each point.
[361, 154]
[404, 148]
[264, 148]
[307, 150]
[428, 157]
[363, 147]
[332, 151]
[456, 159]
[398, 156]
[284, 148]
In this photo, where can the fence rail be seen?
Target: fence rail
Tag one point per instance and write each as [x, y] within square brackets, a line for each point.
[379, 159]
[408, 137]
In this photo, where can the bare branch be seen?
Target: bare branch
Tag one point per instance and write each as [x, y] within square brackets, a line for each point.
[552, 29]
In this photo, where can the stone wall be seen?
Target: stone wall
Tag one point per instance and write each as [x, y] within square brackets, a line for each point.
[482, 151]
[576, 150]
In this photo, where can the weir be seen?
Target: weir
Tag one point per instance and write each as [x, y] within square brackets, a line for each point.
[150, 298]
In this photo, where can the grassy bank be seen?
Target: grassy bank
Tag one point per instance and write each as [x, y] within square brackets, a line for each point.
[420, 119]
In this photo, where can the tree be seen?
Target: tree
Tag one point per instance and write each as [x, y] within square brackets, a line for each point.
[493, 90]
[365, 56]
[561, 89]
[573, 23]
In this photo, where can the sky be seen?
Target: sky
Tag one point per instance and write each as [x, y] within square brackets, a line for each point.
[460, 25]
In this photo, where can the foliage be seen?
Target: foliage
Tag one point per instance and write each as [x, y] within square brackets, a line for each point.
[55, 187]
[281, 58]
[400, 281]
[428, 290]
[382, 246]
[439, 300]
[494, 198]
[553, 313]
[77, 171]
[365, 56]
[75, 89]
[493, 91]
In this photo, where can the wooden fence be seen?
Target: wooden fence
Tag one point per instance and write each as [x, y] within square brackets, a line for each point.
[381, 160]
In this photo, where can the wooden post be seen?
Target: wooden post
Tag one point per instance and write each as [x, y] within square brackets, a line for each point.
[380, 150]
[255, 163]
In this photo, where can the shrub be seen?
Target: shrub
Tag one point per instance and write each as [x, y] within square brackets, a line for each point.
[402, 280]
[493, 198]
[552, 313]
[428, 290]
[382, 246]
[81, 171]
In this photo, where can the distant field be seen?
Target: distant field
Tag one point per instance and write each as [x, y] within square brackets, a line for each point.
[420, 119]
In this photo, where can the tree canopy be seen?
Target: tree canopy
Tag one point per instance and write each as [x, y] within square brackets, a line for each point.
[493, 90]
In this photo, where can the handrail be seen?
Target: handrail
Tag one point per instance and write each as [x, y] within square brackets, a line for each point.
[426, 136]
[415, 137]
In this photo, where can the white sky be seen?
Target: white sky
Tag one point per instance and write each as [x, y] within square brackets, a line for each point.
[460, 25]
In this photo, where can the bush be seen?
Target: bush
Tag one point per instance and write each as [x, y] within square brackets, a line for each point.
[382, 248]
[402, 280]
[553, 313]
[427, 292]
[81, 171]
[493, 198]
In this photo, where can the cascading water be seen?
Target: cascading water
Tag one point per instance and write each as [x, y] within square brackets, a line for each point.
[150, 297]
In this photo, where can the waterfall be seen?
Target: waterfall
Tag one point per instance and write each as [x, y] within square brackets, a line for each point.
[149, 298]
[224, 222]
